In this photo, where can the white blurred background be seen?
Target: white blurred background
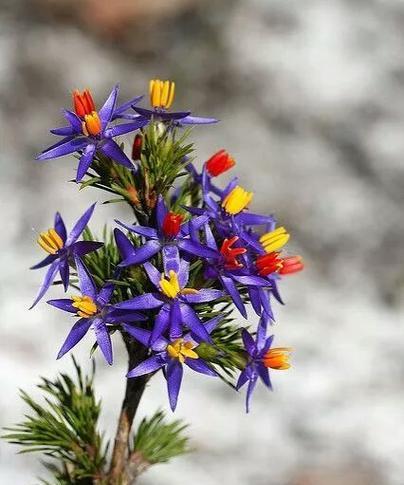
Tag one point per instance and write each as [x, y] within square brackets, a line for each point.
[311, 102]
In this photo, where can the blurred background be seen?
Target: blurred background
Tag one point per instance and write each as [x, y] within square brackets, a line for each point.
[310, 95]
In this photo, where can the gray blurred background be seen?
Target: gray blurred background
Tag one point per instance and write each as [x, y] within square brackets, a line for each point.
[311, 102]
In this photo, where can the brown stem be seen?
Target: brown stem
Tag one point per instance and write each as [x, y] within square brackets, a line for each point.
[134, 390]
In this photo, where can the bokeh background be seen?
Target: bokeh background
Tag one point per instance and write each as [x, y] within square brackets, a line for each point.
[310, 95]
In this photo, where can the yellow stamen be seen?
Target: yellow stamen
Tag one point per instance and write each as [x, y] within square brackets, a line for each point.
[50, 241]
[85, 305]
[92, 124]
[170, 287]
[189, 291]
[277, 358]
[181, 350]
[161, 93]
[274, 240]
[237, 200]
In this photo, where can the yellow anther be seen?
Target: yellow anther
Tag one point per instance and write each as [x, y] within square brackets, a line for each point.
[181, 350]
[91, 124]
[189, 291]
[85, 305]
[170, 287]
[50, 241]
[161, 93]
[237, 200]
[277, 358]
[274, 240]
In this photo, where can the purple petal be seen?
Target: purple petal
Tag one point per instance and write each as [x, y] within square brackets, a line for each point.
[74, 120]
[64, 272]
[254, 294]
[232, 290]
[210, 240]
[64, 304]
[60, 227]
[204, 295]
[161, 212]
[266, 303]
[142, 254]
[125, 106]
[80, 226]
[85, 161]
[267, 345]
[105, 113]
[80, 248]
[125, 247]
[174, 378]
[147, 366]
[183, 273]
[45, 262]
[254, 219]
[63, 131]
[148, 232]
[197, 120]
[172, 116]
[122, 316]
[262, 332]
[147, 301]
[140, 334]
[124, 128]
[103, 339]
[105, 293]
[248, 342]
[191, 320]
[251, 280]
[175, 321]
[198, 365]
[171, 258]
[66, 148]
[243, 378]
[111, 149]
[160, 324]
[196, 249]
[250, 389]
[79, 329]
[264, 374]
[86, 283]
[153, 273]
[49, 277]
[275, 292]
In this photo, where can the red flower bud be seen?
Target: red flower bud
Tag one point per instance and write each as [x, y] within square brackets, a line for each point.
[219, 163]
[172, 223]
[137, 147]
[83, 103]
[291, 264]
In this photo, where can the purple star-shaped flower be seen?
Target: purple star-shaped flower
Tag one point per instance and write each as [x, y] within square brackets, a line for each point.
[173, 300]
[91, 134]
[62, 248]
[170, 356]
[94, 309]
[169, 236]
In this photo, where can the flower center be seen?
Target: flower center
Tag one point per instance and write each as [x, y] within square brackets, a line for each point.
[268, 263]
[274, 240]
[161, 93]
[277, 358]
[230, 253]
[237, 200]
[50, 241]
[91, 124]
[170, 286]
[85, 305]
[179, 349]
[83, 103]
[172, 223]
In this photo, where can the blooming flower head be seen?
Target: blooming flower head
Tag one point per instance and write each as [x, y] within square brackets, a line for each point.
[171, 355]
[61, 248]
[89, 132]
[260, 358]
[93, 308]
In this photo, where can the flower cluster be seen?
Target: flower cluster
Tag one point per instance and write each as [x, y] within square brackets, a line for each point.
[168, 281]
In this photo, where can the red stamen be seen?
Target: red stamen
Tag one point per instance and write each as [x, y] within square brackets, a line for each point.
[291, 264]
[230, 254]
[83, 103]
[172, 223]
[137, 147]
[219, 163]
[268, 263]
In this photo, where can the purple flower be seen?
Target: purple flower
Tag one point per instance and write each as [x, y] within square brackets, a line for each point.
[161, 98]
[260, 358]
[95, 312]
[89, 132]
[170, 355]
[169, 236]
[61, 248]
[173, 299]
